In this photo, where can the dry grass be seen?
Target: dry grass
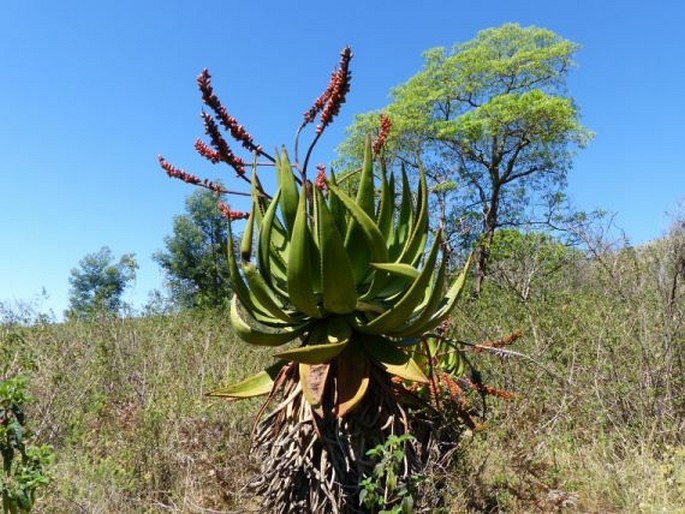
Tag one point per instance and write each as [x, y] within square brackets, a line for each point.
[123, 403]
[598, 430]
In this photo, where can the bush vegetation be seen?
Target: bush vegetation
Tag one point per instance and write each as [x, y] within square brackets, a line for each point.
[596, 424]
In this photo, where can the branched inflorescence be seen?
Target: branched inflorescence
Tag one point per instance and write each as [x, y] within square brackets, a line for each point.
[222, 152]
[217, 118]
[210, 99]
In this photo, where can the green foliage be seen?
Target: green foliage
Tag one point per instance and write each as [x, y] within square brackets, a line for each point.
[490, 115]
[383, 492]
[602, 406]
[527, 262]
[194, 260]
[99, 283]
[24, 468]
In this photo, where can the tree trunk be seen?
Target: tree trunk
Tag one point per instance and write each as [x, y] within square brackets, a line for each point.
[489, 227]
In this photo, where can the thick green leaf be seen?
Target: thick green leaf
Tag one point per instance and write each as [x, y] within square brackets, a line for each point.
[256, 385]
[355, 244]
[402, 310]
[397, 268]
[301, 262]
[414, 246]
[449, 301]
[366, 192]
[391, 279]
[414, 326]
[265, 230]
[290, 195]
[386, 206]
[253, 335]
[394, 360]
[404, 220]
[243, 292]
[264, 294]
[313, 354]
[246, 241]
[337, 209]
[337, 280]
[369, 229]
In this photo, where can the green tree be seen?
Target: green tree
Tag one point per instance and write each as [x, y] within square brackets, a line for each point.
[490, 121]
[194, 260]
[98, 284]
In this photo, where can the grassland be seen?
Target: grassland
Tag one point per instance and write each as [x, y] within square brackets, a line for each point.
[597, 424]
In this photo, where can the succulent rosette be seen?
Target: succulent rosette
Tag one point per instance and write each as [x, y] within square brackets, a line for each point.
[357, 280]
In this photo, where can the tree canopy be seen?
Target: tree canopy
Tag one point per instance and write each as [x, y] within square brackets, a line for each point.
[99, 282]
[194, 260]
[490, 121]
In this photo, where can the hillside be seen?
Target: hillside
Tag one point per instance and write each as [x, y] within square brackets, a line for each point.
[596, 424]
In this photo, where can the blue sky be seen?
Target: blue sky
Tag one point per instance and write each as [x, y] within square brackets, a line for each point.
[92, 92]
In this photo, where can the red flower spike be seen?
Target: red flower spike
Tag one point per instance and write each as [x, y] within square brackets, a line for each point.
[319, 104]
[223, 151]
[189, 178]
[321, 182]
[236, 130]
[178, 173]
[507, 340]
[382, 136]
[337, 89]
[232, 215]
[205, 151]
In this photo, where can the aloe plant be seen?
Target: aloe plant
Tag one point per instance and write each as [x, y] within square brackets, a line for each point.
[350, 277]
[357, 280]
[350, 283]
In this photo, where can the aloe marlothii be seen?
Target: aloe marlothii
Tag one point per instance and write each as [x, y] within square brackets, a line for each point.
[356, 280]
[349, 276]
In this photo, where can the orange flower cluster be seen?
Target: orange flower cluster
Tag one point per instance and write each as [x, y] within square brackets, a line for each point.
[451, 385]
[236, 130]
[382, 136]
[493, 391]
[188, 178]
[232, 215]
[505, 341]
